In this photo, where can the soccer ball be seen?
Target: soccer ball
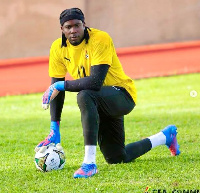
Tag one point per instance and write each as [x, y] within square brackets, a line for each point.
[50, 159]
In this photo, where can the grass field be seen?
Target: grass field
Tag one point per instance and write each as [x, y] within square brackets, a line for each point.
[161, 101]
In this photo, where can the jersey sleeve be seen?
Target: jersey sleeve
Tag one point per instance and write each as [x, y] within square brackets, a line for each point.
[102, 50]
[57, 69]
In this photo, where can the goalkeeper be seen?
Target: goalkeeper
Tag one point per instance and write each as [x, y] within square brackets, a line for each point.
[105, 95]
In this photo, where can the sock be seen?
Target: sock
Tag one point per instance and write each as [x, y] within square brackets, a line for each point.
[55, 126]
[90, 154]
[157, 139]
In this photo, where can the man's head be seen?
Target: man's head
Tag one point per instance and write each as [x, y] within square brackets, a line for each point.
[73, 27]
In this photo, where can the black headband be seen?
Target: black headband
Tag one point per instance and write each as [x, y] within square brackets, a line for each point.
[69, 14]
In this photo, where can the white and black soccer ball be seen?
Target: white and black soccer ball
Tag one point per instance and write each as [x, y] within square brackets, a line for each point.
[50, 159]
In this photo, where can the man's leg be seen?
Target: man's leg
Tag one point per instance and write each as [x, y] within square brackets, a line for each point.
[110, 101]
[56, 107]
[165, 137]
[111, 139]
[111, 142]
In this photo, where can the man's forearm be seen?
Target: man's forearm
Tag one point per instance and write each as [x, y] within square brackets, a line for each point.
[92, 82]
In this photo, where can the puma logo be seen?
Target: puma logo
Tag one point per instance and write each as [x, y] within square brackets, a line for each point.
[67, 59]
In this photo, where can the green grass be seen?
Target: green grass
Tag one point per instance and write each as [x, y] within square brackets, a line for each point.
[161, 101]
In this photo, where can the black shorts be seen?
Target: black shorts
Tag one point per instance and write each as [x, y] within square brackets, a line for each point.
[102, 115]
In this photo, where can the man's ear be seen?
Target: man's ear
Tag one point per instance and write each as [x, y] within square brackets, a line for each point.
[84, 25]
[61, 27]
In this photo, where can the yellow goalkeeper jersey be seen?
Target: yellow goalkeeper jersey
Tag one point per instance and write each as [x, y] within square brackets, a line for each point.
[77, 60]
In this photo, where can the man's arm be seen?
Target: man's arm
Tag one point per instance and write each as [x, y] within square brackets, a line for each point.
[92, 82]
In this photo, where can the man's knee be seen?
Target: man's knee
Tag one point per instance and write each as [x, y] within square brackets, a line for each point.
[113, 153]
[83, 98]
[115, 159]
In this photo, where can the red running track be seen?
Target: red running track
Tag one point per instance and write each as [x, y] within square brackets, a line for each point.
[30, 75]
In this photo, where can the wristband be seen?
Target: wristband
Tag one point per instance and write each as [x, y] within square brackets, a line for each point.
[60, 85]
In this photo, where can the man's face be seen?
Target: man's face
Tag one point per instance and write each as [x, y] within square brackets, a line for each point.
[74, 31]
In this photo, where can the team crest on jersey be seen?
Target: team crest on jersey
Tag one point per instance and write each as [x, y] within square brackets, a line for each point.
[86, 55]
